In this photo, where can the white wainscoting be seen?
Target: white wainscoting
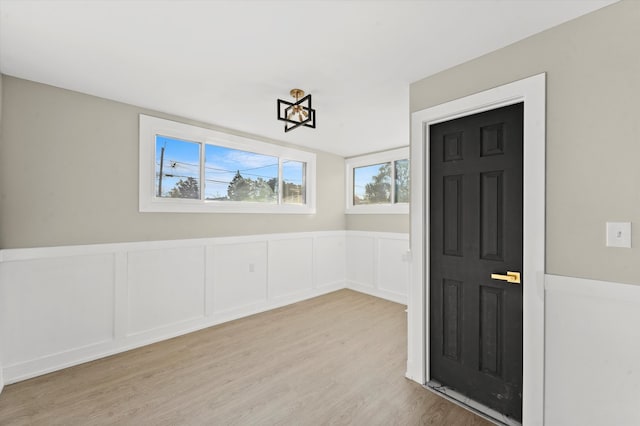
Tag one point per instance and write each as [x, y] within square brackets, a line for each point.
[377, 264]
[62, 306]
[164, 287]
[240, 274]
[290, 267]
[592, 352]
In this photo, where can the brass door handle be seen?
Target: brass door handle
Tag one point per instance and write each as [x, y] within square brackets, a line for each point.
[511, 277]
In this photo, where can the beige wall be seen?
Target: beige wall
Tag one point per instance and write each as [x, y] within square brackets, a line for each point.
[593, 132]
[69, 175]
[378, 222]
[1, 174]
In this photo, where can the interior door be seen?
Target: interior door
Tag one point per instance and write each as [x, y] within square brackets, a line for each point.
[475, 335]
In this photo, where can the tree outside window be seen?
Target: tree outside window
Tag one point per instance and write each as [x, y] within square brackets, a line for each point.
[376, 183]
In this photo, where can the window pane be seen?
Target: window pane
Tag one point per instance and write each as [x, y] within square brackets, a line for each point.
[293, 182]
[402, 181]
[177, 168]
[234, 175]
[372, 184]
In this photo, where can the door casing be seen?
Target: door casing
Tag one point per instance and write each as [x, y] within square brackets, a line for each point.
[531, 91]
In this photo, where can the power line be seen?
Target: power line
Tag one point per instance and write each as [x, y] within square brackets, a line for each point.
[226, 182]
[173, 162]
[261, 167]
[171, 175]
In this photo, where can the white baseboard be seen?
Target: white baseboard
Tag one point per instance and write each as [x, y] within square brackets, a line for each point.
[372, 291]
[54, 362]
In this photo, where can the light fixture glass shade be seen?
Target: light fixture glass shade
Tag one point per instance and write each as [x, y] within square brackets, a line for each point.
[298, 113]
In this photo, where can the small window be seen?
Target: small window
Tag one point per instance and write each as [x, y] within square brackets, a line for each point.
[378, 183]
[372, 184]
[401, 173]
[293, 182]
[201, 170]
[177, 168]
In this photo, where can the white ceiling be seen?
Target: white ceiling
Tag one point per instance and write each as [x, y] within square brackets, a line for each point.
[226, 62]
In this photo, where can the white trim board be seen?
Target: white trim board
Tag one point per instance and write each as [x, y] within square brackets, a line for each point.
[531, 91]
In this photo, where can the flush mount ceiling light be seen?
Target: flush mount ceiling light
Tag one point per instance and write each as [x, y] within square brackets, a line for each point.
[298, 113]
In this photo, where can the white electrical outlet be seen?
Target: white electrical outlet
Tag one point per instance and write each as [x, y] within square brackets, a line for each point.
[619, 234]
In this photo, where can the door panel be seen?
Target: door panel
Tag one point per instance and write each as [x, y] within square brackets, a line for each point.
[451, 318]
[452, 221]
[475, 231]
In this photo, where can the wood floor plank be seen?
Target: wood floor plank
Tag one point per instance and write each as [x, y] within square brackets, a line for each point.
[337, 359]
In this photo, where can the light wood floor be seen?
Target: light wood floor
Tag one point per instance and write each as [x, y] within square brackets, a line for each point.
[338, 359]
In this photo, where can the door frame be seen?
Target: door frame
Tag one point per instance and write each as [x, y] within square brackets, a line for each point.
[531, 91]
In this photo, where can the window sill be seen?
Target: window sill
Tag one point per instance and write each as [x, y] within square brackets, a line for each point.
[184, 206]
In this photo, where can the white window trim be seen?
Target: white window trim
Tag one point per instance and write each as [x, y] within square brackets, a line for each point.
[149, 202]
[367, 160]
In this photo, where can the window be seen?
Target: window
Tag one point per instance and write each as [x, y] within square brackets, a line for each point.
[235, 175]
[179, 176]
[378, 183]
[185, 168]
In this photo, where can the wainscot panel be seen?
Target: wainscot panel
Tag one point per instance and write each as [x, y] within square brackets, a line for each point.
[330, 265]
[165, 286]
[53, 305]
[239, 276]
[592, 352]
[290, 267]
[361, 259]
[61, 306]
[377, 264]
[393, 268]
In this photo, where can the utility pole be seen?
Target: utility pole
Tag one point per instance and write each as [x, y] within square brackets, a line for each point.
[160, 177]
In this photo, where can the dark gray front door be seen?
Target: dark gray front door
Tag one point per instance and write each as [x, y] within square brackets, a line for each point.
[475, 226]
